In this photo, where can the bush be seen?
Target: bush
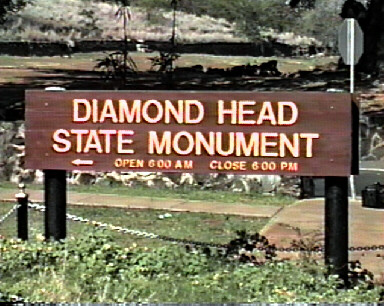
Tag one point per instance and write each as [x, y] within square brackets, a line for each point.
[319, 21]
[95, 269]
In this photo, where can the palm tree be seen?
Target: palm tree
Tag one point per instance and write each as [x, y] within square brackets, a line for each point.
[166, 59]
[116, 65]
[173, 54]
[124, 12]
[174, 8]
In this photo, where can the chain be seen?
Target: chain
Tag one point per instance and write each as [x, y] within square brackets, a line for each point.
[37, 207]
[143, 234]
[124, 230]
[8, 214]
[367, 248]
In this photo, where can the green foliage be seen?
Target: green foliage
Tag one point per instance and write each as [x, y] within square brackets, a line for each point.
[213, 228]
[89, 19]
[93, 268]
[229, 9]
[89, 23]
[83, 266]
[165, 61]
[151, 5]
[321, 22]
[319, 19]
[154, 5]
[86, 267]
[259, 15]
[10, 6]
[116, 66]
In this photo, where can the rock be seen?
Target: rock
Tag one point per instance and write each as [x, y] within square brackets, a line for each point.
[314, 85]
[269, 183]
[82, 178]
[108, 182]
[289, 185]
[240, 186]
[39, 177]
[174, 177]
[187, 179]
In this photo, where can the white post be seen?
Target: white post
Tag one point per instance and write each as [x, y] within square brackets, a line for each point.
[352, 85]
[352, 54]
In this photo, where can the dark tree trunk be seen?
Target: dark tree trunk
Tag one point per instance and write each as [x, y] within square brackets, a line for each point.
[373, 28]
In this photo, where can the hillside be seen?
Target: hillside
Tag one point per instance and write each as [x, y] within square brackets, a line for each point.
[70, 20]
[76, 20]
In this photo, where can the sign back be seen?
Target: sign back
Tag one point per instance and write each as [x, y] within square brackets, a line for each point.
[350, 41]
[287, 133]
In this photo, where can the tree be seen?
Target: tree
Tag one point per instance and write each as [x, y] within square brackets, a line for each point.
[10, 6]
[370, 18]
[307, 4]
[268, 14]
[373, 27]
[314, 18]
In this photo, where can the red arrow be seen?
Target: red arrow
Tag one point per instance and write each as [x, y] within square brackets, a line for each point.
[81, 162]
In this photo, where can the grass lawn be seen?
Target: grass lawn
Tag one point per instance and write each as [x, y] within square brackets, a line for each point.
[191, 194]
[187, 194]
[193, 226]
[20, 70]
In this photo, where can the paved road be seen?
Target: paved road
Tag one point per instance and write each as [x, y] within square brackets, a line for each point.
[305, 220]
[371, 172]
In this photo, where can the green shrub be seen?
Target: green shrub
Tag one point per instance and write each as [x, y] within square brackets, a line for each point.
[95, 269]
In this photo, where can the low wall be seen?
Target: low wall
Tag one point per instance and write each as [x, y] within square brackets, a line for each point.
[34, 49]
[223, 48]
[234, 49]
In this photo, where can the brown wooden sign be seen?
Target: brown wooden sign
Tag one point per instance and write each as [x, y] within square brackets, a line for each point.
[287, 133]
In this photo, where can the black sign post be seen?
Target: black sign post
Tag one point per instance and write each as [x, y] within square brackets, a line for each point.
[55, 186]
[351, 47]
[336, 226]
[22, 213]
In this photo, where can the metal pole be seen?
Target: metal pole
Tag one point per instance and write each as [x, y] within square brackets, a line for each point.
[352, 70]
[336, 226]
[352, 88]
[55, 185]
[352, 184]
[22, 213]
